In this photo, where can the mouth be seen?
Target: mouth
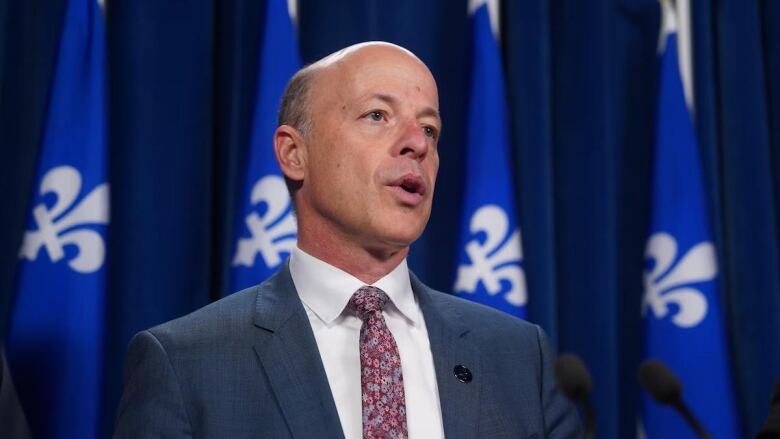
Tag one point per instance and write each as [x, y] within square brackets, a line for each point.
[410, 189]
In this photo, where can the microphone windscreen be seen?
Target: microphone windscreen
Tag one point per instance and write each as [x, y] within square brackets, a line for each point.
[573, 377]
[660, 381]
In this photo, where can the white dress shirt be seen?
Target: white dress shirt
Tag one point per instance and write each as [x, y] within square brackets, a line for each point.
[325, 292]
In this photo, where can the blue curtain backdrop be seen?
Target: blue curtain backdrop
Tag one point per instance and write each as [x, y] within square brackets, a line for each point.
[581, 80]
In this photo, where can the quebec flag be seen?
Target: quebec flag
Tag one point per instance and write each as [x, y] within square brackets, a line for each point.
[266, 229]
[55, 339]
[490, 261]
[682, 315]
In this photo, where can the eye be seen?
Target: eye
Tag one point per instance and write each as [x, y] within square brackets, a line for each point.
[376, 116]
[429, 132]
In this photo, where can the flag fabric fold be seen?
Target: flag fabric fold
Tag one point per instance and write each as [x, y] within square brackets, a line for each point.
[266, 229]
[490, 252]
[56, 328]
[683, 321]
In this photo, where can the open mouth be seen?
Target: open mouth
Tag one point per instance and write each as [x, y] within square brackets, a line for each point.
[411, 184]
[410, 189]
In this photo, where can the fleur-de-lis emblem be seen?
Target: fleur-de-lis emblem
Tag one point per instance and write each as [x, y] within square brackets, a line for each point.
[64, 223]
[495, 259]
[271, 233]
[666, 284]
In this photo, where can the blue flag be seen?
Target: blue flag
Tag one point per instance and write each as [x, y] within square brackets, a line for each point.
[490, 261]
[55, 339]
[266, 228]
[682, 314]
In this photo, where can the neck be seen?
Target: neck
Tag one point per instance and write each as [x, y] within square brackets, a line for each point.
[367, 264]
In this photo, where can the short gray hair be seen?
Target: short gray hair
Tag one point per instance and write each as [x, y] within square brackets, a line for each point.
[294, 111]
[294, 108]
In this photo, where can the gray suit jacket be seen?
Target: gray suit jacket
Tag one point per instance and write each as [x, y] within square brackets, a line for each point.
[248, 366]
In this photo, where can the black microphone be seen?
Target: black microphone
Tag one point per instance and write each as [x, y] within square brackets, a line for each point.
[574, 381]
[664, 386]
[771, 428]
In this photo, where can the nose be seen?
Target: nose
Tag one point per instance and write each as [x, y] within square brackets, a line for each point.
[414, 143]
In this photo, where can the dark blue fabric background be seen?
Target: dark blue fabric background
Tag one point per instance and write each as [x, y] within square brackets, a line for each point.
[581, 80]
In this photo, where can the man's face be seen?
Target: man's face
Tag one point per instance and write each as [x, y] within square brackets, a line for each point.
[372, 152]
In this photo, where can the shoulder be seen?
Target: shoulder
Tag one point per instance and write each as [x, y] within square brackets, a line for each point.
[212, 322]
[173, 367]
[485, 325]
[489, 319]
[231, 323]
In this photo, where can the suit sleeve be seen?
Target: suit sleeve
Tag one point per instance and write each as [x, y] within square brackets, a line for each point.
[561, 419]
[152, 405]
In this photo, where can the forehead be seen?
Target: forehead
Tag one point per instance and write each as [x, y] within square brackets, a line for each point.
[377, 70]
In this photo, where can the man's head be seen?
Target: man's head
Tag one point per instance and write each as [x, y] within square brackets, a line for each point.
[358, 141]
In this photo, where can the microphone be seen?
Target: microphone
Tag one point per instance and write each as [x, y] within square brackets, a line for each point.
[574, 381]
[771, 428]
[664, 386]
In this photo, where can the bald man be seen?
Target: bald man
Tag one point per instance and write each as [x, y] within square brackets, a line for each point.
[344, 341]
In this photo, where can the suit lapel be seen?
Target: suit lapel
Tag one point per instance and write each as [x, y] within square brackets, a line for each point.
[288, 353]
[450, 347]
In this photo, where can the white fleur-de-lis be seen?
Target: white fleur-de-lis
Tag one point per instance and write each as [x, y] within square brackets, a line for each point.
[63, 224]
[666, 285]
[272, 233]
[492, 262]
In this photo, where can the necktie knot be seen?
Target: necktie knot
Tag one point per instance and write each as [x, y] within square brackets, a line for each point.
[368, 300]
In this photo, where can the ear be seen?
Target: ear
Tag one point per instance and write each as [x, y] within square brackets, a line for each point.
[290, 150]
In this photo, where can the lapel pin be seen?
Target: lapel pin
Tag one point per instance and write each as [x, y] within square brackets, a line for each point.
[462, 373]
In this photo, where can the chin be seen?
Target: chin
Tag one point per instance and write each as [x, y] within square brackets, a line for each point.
[401, 237]
[401, 226]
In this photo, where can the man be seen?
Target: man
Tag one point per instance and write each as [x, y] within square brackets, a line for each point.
[343, 341]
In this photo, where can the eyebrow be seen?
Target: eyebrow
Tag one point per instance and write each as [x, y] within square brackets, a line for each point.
[391, 100]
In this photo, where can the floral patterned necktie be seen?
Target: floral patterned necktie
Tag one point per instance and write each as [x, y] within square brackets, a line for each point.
[384, 407]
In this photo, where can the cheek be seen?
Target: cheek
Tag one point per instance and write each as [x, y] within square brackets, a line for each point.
[327, 163]
[347, 178]
[433, 168]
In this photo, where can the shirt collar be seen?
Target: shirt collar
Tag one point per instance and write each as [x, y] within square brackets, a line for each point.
[326, 290]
